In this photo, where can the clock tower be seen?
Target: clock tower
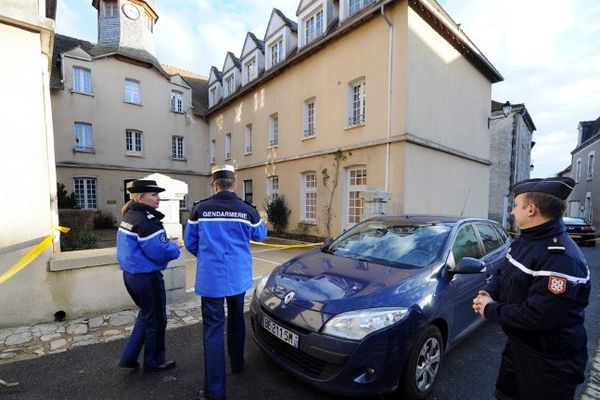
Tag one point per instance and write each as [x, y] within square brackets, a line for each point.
[126, 24]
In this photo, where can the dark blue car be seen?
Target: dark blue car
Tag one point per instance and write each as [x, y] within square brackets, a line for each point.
[374, 310]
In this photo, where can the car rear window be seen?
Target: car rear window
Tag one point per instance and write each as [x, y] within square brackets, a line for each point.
[396, 244]
[574, 221]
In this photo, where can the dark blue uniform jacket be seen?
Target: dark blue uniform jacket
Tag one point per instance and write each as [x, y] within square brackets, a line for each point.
[142, 244]
[541, 293]
[218, 233]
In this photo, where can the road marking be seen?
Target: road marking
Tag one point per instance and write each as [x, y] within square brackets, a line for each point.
[267, 261]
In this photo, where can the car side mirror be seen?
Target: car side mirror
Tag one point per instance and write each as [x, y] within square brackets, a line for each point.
[328, 240]
[468, 265]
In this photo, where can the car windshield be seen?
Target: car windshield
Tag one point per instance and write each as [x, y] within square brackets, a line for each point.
[402, 245]
[574, 221]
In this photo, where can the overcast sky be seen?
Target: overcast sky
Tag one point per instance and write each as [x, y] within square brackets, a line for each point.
[547, 50]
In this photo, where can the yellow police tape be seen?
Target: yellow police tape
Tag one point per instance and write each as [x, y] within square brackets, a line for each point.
[286, 246]
[31, 254]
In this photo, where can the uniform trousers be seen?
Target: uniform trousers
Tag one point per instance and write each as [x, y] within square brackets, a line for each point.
[213, 320]
[148, 292]
[525, 375]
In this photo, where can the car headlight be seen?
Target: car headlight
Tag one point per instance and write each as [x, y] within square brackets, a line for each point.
[261, 285]
[355, 325]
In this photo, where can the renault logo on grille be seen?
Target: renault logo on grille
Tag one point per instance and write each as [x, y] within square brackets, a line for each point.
[288, 298]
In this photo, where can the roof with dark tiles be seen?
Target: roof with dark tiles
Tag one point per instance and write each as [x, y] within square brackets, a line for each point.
[293, 25]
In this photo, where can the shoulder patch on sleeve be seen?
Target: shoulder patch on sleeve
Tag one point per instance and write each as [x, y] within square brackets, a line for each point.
[557, 285]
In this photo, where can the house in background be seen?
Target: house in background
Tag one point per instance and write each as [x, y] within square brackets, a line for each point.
[584, 199]
[120, 115]
[356, 97]
[511, 129]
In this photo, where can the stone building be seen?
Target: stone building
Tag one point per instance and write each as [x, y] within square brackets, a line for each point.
[355, 96]
[511, 129]
[583, 200]
[119, 114]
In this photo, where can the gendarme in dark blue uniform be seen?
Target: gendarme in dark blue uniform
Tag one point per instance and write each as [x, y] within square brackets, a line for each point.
[540, 296]
[143, 251]
[218, 233]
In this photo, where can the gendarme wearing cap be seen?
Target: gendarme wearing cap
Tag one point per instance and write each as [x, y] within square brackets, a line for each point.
[223, 172]
[144, 186]
[556, 186]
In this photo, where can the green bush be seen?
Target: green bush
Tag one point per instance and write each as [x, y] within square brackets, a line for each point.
[80, 237]
[277, 212]
[103, 220]
[65, 200]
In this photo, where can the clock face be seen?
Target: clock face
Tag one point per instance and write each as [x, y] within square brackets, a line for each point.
[131, 11]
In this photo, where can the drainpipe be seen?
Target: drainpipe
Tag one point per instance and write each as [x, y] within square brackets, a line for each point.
[389, 96]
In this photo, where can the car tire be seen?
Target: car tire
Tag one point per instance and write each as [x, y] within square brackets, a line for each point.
[423, 366]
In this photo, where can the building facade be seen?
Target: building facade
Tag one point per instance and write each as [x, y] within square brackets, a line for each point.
[120, 115]
[28, 181]
[583, 200]
[322, 124]
[511, 144]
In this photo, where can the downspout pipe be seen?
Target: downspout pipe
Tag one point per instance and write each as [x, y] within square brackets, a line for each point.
[389, 95]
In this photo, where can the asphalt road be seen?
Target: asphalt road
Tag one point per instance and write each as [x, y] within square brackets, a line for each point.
[468, 372]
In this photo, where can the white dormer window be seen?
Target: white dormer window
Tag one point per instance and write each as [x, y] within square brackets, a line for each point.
[277, 52]
[355, 6]
[251, 69]
[229, 85]
[176, 101]
[213, 96]
[313, 27]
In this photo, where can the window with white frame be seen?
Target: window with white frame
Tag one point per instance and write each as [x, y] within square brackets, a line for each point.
[309, 197]
[309, 118]
[213, 151]
[590, 165]
[177, 150]
[578, 170]
[277, 52]
[356, 184]
[85, 192]
[183, 203]
[176, 101]
[133, 141]
[84, 140]
[274, 130]
[313, 27]
[272, 185]
[229, 85]
[228, 146]
[132, 91]
[355, 6]
[82, 80]
[248, 139]
[213, 96]
[357, 102]
[110, 9]
[248, 195]
[251, 71]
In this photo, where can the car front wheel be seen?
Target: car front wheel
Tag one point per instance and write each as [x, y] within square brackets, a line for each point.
[423, 365]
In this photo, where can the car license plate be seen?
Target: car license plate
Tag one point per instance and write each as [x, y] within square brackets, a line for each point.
[574, 236]
[287, 336]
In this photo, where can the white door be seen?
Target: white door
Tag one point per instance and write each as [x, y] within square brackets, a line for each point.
[356, 183]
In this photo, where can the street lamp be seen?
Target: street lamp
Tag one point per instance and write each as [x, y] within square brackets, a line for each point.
[506, 109]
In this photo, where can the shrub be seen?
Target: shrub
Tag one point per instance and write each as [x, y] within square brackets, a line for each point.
[277, 212]
[103, 220]
[65, 200]
[80, 237]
